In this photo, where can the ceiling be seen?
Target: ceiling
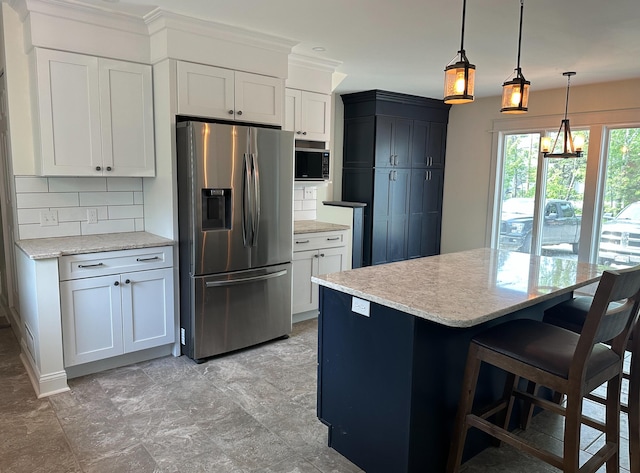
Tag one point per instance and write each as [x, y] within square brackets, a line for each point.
[404, 45]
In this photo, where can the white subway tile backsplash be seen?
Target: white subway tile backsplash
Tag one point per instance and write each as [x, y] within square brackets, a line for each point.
[108, 226]
[308, 205]
[298, 194]
[36, 231]
[106, 198]
[125, 211]
[31, 184]
[297, 205]
[118, 184]
[46, 200]
[304, 215]
[118, 201]
[77, 184]
[27, 216]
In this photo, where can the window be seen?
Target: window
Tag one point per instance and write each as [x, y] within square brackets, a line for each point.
[584, 208]
[620, 236]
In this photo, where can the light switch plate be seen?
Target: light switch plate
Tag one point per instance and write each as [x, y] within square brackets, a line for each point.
[360, 306]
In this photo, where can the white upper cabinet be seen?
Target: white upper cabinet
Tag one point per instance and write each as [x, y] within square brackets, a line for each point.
[308, 114]
[95, 116]
[213, 92]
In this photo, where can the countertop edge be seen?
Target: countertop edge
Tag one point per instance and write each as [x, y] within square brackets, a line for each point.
[41, 248]
[453, 323]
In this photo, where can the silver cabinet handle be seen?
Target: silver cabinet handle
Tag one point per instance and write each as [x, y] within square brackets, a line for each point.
[239, 112]
[90, 265]
[322, 255]
[333, 239]
[315, 256]
[144, 260]
[108, 168]
[117, 283]
[304, 132]
[230, 112]
[300, 242]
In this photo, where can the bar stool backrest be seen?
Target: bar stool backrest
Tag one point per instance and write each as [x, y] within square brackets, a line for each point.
[611, 323]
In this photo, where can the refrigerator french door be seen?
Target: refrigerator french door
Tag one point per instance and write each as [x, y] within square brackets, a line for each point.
[235, 220]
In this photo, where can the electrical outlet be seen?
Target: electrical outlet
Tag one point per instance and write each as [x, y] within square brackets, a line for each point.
[48, 218]
[92, 215]
[309, 193]
[360, 306]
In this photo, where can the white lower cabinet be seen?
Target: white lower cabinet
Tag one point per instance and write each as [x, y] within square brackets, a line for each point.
[315, 254]
[115, 303]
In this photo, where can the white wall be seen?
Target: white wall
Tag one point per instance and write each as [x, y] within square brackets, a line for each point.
[467, 198]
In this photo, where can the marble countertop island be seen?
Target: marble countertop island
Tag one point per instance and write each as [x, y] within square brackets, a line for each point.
[466, 288]
[43, 248]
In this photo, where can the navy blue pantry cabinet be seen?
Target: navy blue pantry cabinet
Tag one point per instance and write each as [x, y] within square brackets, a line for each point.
[393, 160]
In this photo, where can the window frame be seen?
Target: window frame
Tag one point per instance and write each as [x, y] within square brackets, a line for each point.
[598, 124]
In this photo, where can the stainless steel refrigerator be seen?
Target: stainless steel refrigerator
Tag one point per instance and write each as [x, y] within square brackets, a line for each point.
[235, 186]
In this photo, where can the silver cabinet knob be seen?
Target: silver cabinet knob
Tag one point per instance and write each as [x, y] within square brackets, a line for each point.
[230, 112]
[117, 283]
[108, 168]
[239, 112]
[98, 168]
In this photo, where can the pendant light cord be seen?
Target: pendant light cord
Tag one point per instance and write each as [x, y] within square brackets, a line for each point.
[566, 105]
[464, 11]
[520, 37]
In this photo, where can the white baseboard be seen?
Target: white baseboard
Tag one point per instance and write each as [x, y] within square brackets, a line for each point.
[302, 316]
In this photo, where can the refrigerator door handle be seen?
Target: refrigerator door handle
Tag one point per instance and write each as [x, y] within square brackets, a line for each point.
[247, 212]
[256, 201]
[244, 280]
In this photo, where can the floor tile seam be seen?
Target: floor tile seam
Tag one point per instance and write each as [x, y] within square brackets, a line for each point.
[66, 438]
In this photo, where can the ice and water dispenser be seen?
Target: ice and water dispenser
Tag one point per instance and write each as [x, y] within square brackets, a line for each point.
[216, 209]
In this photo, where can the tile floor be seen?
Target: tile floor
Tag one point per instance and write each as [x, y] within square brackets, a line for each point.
[251, 411]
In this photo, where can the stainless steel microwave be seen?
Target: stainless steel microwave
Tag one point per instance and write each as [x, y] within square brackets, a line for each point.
[311, 164]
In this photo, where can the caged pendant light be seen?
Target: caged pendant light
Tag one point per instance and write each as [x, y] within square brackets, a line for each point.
[459, 77]
[515, 92]
[571, 148]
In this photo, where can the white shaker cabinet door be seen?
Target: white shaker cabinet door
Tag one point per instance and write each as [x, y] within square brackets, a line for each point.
[205, 91]
[292, 111]
[316, 116]
[331, 260]
[258, 98]
[68, 113]
[91, 319]
[305, 294]
[126, 104]
[147, 306]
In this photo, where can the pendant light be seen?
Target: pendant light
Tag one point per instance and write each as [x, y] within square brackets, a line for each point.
[571, 148]
[515, 92]
[459, 77]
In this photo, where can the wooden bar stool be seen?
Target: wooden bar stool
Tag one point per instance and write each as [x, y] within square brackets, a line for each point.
[572, 315]
[564, 361]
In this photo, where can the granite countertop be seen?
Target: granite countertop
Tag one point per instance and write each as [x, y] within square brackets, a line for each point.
[43, 248]
[313, 226]
[465, 288]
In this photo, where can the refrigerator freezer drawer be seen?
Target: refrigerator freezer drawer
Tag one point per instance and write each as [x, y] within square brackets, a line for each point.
[240, 309]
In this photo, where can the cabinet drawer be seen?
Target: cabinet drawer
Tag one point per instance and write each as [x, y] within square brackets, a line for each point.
[112, 262]
[314, 241]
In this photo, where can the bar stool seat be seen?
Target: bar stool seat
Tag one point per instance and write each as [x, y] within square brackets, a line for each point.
[567, 362]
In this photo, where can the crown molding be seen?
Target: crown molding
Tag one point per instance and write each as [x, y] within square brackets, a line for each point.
[310, 62]
[103, 16]
[160, 19]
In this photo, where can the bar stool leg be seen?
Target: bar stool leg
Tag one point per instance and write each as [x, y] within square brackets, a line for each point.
[612, 422]
[573, 421]
[459, 434]
[634, 402]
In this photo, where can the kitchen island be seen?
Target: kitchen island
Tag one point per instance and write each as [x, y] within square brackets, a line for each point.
[393, 341]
